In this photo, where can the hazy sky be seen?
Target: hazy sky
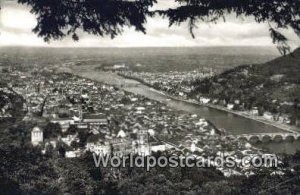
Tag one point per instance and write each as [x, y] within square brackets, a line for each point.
[16, 24]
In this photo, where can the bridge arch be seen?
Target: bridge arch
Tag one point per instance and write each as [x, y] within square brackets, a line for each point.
[266, 138]
[243, 139]
[254, 139]
[278, 138]
[290, 138]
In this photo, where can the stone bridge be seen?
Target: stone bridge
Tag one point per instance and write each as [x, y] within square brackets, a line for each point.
[267, 137]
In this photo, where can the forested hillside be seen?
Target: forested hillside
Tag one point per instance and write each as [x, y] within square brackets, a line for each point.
[272, 87]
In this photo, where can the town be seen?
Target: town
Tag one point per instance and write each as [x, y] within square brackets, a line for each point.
[184, 86]
[173, 82]
[75, 115]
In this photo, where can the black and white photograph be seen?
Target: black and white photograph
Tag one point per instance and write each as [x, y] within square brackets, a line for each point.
[149, 97]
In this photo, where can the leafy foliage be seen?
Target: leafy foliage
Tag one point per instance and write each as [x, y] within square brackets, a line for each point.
[58, 18]
[51, 130]
[281, 13]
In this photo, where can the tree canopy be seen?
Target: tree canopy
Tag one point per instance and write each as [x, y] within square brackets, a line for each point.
[60, 18]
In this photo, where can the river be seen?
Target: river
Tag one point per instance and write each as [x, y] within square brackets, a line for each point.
[232, 123]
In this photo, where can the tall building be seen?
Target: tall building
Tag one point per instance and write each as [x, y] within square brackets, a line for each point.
[143, 147]
[37, 136]
[142, 136]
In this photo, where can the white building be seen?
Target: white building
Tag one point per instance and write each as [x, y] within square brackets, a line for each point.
[119, 66]
[121, 134]
[151, 132]
[268, 116]
[37, 136]
[204, 100]
[73, 154]
[193, 147]
[230, 106]
[158, 147]
[99, 148]
[254, 111]
[143, 148]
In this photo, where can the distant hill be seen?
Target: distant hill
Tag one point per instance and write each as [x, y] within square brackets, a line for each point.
[273, 86]
[292, 59]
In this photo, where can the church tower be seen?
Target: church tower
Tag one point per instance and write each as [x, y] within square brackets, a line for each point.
[143, 143]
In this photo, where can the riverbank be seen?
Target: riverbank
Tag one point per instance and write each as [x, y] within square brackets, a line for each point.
[233, 123]
[290, 129]
[284, 127]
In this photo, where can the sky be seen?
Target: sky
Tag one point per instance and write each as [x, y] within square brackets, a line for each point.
[16, 24]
